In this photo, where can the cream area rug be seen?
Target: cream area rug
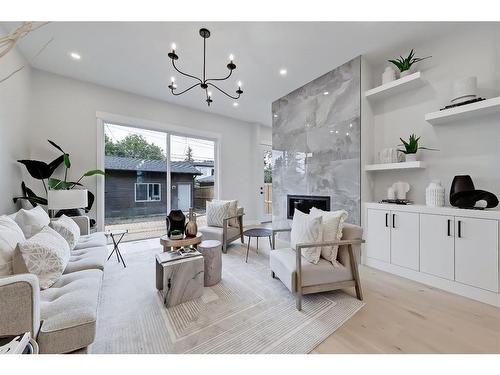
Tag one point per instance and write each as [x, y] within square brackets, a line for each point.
[247, 312]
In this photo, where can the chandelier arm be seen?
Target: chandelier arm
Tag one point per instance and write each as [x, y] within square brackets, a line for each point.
[225, 93]
[185, 74]
[186, 90]
[220, 79]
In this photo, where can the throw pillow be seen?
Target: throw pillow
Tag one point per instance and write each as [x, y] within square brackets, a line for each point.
[67, 228]
[32, 221]
[331, 230]
[233, 211]
[306, 229]
[46, 255]
[217, 211]
[10, 236]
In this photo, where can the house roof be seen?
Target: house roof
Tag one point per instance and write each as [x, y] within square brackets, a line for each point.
[120, 163]
[204, 163]
[206, 180]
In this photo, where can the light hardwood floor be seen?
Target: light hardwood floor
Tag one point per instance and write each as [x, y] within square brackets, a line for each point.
[402, 316]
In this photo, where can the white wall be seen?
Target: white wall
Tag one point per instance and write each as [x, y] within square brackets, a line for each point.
[467, 147]
[14, 106]
[64, 110]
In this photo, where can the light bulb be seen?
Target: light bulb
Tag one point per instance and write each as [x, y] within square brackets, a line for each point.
[239, 83]
[172, 79]
[209, 93]
[235, 104]
[283, 72]
[174, 47]
[231, 57]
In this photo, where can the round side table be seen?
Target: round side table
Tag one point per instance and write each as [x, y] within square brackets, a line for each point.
[257, 232]
[212, 256]
[170, 244]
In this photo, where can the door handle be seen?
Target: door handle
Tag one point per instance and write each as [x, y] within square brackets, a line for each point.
[386, 220]
[394, 220]
[459, 228]
[449, 228]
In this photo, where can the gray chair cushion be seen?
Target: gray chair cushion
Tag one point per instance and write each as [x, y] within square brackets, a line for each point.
[215, 233]
[68, 311]
[92, 240]
[282, 262]
[87, 259]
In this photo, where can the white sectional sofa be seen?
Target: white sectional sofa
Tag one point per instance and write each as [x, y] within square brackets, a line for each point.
[63, 317]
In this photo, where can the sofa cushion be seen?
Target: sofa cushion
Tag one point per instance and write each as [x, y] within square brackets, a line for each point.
[68, 311]
[215, 233]
[10, 236]
[217, 211]
[46, 255]
[32, 221]
[87, 259]
[283, 261]
[67, 228]
[91, 240]
[306, 229]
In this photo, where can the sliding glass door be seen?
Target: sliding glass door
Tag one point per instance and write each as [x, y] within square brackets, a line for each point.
[149, 173]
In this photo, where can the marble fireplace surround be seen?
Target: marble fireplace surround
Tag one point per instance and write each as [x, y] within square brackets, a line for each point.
[317, 142]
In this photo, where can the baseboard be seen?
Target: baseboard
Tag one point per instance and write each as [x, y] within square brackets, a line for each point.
[454, 287]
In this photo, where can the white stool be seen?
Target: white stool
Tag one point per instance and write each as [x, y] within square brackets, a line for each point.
[212, 254]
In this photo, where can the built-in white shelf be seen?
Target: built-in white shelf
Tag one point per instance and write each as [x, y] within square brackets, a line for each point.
[399, 85]
[395, 166]
[467, 111]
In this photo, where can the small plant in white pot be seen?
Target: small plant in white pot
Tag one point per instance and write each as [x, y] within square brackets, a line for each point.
[405, 64]
[411, 147]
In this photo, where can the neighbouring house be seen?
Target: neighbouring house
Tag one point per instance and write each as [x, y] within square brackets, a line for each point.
[204, 184]
[137, 187]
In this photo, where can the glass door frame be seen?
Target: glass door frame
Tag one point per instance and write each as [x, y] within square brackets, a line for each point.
[102, 118]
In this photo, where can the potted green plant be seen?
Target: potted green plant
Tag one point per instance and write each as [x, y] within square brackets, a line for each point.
[411, 147]
[176, 234]
[404, 64]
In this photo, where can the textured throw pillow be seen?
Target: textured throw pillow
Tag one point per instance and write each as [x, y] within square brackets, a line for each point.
[306, 229]
[46, 255]
[331, 230]
[32, 221]
[217, 211]
[10, 236]
[233, 211]
[67, 228]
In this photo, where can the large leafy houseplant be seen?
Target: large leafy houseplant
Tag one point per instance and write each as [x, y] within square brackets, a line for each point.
[42, 171]
[405, 63]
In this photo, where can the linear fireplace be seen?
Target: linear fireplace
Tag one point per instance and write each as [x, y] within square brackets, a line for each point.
[304, 203]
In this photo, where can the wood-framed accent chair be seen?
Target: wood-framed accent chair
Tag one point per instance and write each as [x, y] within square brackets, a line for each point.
[302, 277]
[228, 233]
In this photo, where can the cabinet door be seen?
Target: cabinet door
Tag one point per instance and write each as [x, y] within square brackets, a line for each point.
[378, 239]
[405, 239]
[437, 245]
[476, 252]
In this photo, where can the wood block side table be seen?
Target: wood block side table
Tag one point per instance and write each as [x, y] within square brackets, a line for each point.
[180, 280]
[212, 255]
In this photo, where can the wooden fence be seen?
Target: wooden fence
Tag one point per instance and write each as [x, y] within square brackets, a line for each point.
[268, 198]
[202, 194]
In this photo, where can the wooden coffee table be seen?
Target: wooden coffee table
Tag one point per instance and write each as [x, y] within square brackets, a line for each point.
[170, 244]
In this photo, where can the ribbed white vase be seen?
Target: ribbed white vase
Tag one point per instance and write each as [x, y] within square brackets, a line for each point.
[434, 194]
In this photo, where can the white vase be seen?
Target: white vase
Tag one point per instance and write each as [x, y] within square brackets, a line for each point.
[411, 157]
[434, 194]
[389, 75]
[405, 73]
[391, 193]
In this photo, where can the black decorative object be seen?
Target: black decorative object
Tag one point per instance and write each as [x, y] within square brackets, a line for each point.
[475, 100]
[463, 194]
[176, 220]
[203, 82]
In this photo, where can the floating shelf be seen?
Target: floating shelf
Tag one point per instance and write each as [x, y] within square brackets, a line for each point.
[395, 166]
[467, 111]
[399, 85]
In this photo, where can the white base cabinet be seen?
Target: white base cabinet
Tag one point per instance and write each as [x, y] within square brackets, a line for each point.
[450, 248]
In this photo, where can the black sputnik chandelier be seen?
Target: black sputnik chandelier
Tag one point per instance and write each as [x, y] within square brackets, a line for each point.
[204, 83]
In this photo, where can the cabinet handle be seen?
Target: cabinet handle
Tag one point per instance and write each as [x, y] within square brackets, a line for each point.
[459, 228]
[386, 220]
[394, 220]
[449, 228]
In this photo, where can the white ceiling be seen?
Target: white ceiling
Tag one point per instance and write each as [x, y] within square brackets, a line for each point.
[132, 56]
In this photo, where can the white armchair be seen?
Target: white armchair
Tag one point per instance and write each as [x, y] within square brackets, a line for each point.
[302, 277]
[227, 233]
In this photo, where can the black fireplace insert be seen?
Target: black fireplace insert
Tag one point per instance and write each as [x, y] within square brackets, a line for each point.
[304, 203]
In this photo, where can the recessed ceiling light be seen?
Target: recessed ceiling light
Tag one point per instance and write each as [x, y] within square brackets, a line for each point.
[275, 115]
[283, 72]
[347, 134]
[336, 132]
[331, 131]
[326, 93]
[75, 56]
[235, 104]
[350, 125]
